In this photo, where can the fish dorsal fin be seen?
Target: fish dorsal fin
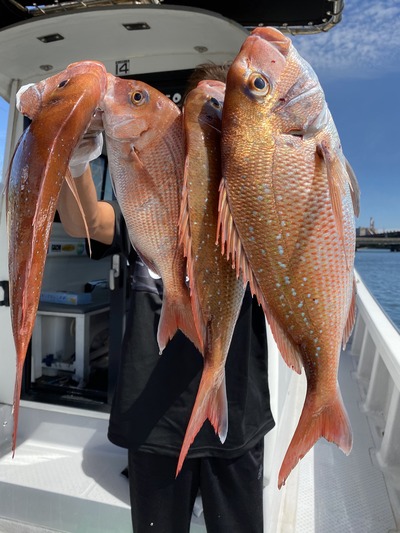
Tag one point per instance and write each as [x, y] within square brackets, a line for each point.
[232, 247]
[185, 240]
[71, 184]
[354, 189]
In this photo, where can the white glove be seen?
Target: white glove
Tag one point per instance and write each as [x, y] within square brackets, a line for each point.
[87, 150]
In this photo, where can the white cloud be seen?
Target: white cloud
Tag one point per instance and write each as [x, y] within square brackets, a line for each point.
[366, 43]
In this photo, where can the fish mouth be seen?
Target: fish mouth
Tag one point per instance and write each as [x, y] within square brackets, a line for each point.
[28, 96]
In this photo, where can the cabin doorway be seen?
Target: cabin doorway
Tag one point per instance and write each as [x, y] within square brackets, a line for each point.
[75, 347]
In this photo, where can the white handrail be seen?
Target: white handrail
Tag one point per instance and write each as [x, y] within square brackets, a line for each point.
[376, 342]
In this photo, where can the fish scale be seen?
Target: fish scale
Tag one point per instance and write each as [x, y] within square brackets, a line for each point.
[287, 204]
[145, 146]
[61, 108]
[216, 293]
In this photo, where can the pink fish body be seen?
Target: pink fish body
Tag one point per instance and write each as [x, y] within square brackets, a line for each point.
[61, 108]
[216, 292]
[287, 205]
[145, 146]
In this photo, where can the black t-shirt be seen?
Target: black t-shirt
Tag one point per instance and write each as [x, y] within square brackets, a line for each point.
[155, 393]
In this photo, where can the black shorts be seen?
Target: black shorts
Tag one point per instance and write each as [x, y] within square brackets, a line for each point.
[231, 491]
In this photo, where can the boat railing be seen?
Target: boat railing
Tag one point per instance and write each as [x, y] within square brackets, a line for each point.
[376, 344]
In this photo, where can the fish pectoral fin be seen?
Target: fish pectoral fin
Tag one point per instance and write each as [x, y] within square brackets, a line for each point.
[185, 240]
[330, 421]
[185, 237]
[338, 182]
[351, 317]
[354, 189]
[211, 403]
[71, 184]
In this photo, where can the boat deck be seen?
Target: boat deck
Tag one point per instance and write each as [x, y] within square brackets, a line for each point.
[339, 493]
[66, 477]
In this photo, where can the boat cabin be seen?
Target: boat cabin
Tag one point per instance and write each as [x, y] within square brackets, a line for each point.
[65, 474]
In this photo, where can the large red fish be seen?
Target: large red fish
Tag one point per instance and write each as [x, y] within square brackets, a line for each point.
[288, 199]
[145, 147]
[216, 292]
[60, 108]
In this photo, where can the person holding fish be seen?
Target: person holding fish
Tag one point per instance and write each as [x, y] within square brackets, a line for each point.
[191, 403]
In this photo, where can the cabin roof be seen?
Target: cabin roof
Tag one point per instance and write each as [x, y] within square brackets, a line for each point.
[292, 15]
[142, 36]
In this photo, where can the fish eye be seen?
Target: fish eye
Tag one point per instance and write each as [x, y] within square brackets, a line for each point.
[62, 83]
[216, 103]
[138, 98]
[259, 84]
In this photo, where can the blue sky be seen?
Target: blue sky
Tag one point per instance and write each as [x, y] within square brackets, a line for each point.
[358, 65]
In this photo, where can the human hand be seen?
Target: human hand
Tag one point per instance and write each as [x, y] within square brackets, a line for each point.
[87, 150]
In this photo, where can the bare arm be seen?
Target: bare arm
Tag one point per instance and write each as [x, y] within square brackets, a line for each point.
[100, 217]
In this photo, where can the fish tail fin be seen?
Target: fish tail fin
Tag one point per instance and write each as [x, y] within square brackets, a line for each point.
[211, 403]
[330, 421]
[177, 315]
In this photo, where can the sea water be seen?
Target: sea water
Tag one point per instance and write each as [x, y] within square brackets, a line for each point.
[380, 272]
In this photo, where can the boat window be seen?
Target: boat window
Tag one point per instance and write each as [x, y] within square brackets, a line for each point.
[4, 107]
[101, 178]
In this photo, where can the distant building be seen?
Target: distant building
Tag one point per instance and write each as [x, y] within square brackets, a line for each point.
[365, 232]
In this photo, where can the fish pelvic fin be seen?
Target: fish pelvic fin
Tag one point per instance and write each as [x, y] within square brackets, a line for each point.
[329, 421]
[231, 246]
[211, 403]
[177, 315]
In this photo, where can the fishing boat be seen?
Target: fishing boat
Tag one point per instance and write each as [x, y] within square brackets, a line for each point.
[65, 475]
